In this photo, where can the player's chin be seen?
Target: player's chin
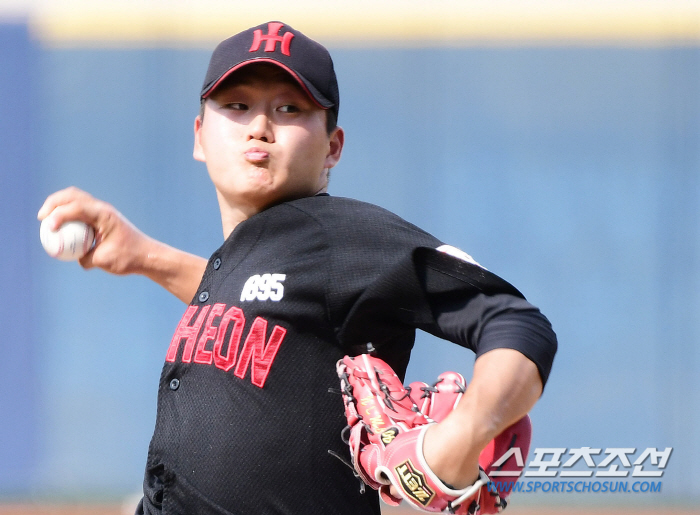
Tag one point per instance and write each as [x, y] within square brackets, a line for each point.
[264, 182]
[259, 172]
[249, 188]
[254, 199]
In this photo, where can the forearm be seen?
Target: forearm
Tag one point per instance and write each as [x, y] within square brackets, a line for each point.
[177, 271]
[504, 387]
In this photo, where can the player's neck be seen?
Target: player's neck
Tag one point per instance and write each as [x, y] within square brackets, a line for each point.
[231, 218]
[235, 212]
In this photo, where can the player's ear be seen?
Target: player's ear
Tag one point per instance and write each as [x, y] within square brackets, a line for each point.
[198, 152]
[335, 147]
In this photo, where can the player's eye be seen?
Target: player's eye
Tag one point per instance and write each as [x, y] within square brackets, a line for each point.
[288, 108]
[236, 106]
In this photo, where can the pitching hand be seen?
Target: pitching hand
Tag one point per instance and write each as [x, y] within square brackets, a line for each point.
[120, 248]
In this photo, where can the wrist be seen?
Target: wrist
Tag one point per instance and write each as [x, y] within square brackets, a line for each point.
[451, 456]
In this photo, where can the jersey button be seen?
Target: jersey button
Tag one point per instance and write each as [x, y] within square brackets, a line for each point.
[217, 263]
[204, 296]
[174, 384]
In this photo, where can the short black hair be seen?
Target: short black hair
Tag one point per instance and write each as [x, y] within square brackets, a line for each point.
[331, 121]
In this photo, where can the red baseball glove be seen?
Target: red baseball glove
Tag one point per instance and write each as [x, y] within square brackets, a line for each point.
[387, 424]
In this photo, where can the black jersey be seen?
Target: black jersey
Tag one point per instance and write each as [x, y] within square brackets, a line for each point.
[245, 417]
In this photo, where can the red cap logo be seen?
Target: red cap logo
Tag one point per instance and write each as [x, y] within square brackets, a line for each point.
[272, 38]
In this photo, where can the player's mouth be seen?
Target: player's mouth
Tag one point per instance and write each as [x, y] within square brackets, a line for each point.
[256, 155]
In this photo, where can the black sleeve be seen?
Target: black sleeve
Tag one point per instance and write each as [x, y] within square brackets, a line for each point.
[477, 309]
[451, 299]
[501, 321]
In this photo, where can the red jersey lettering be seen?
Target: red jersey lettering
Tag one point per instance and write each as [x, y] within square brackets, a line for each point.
[209, 333]
[185, 330]
[227, 335]
[261, 355]
[226, 361]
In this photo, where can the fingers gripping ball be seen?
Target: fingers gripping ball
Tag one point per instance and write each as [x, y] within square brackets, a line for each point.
[70, 242]
[387, 424]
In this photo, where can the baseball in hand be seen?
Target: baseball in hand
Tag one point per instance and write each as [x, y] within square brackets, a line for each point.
[70, 242]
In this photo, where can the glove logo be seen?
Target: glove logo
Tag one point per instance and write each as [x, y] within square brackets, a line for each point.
[389, 435]
[413, 483]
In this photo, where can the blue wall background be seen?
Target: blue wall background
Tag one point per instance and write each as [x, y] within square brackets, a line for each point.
[571, 172]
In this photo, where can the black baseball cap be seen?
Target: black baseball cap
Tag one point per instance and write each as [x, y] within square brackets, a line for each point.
[275, 42]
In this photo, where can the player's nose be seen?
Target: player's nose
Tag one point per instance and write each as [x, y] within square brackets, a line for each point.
[260, 128]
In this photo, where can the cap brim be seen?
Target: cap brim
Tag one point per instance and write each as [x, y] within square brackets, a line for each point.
[315, 95]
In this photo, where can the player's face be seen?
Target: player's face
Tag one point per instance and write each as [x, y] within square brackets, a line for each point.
[264, 140]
